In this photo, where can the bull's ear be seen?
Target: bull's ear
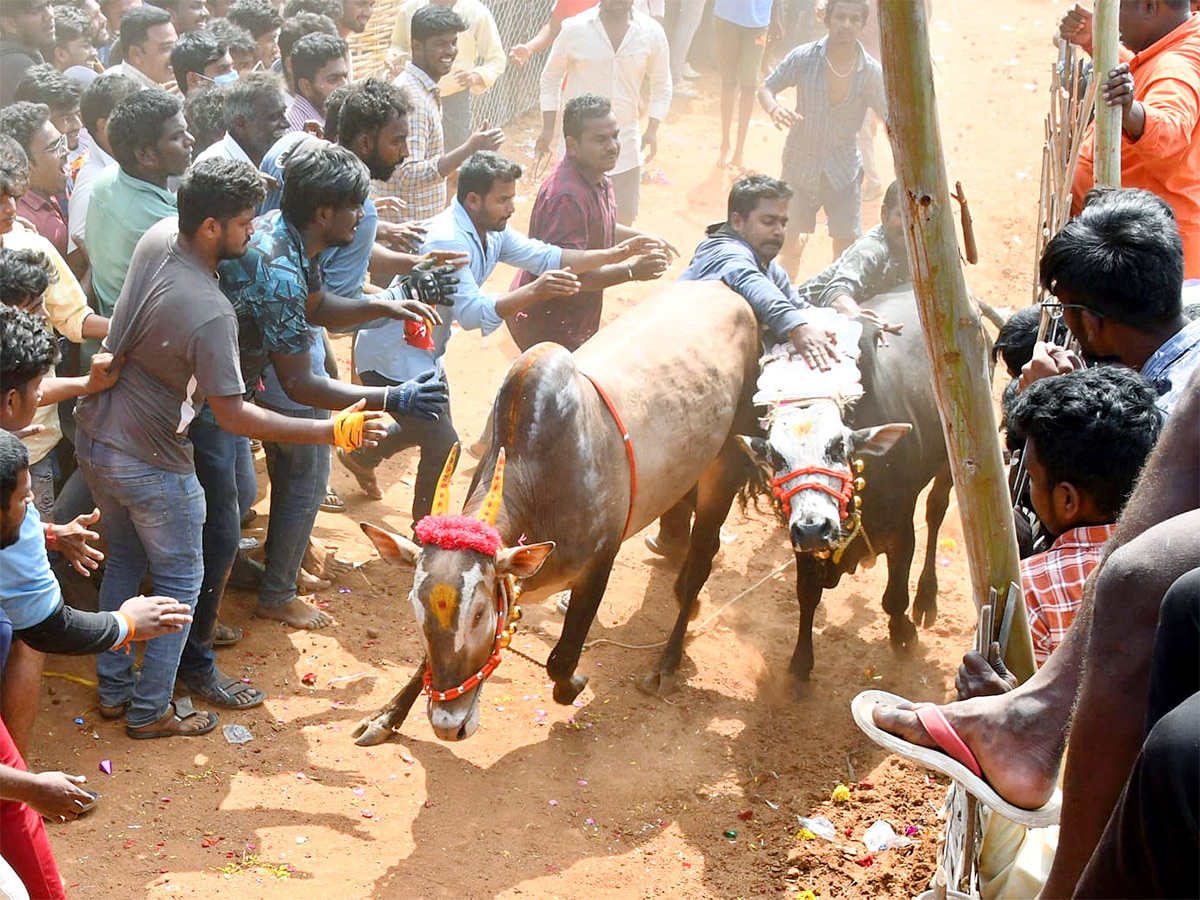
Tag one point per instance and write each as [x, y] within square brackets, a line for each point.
[878, 440]
[393, 548]
[523, 561]
[759, 452]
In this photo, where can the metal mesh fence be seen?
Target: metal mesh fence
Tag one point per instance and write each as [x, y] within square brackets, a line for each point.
[514, 92]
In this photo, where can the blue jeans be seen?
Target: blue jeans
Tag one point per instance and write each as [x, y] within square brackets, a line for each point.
[299, 474]
[215, 455]
[247, 481]
[153, 519]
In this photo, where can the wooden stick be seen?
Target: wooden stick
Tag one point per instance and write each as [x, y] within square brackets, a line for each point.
[968, 226]
[1108, 118]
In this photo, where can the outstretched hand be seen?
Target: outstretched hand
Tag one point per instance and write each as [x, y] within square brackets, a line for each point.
[71, 540]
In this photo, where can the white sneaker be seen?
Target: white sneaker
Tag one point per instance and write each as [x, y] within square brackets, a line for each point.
[685, 89]
[689, 72]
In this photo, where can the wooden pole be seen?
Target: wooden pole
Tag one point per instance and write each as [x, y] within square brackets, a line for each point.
[1105, 43]
[953, 332]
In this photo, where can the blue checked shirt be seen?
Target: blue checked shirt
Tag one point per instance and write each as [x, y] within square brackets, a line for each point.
[824, 142]
[1172, 364]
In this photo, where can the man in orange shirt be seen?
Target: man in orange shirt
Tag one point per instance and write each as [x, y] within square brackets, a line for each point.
[1157, 86]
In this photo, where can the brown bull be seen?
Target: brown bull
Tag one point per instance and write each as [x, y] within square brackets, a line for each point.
[598, 445]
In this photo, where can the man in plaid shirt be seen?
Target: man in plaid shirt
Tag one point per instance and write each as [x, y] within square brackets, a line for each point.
[420, 181]
[1087, 435]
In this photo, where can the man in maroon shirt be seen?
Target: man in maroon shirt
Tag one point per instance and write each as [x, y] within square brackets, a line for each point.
[576, 209]
[29, 124]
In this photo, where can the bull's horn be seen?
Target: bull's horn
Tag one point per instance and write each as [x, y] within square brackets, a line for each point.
[441, 497]
[490, 511]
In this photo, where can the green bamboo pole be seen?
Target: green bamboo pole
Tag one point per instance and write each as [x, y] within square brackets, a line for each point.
[953, 332]
[1105, 42]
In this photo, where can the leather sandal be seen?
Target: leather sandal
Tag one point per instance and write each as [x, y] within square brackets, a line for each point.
[115, 711]
[228, 692]
[226, 635]
[169, 725]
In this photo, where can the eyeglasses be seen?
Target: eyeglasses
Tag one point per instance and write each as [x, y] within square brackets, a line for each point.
[58, 147]
[1055, 309]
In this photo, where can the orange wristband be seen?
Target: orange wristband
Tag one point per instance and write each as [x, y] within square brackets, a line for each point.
[130, 637]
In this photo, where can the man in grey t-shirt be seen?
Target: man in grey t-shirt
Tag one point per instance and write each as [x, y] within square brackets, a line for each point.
[175, 336]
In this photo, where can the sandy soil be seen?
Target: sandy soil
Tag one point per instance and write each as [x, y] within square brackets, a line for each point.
[621, 795]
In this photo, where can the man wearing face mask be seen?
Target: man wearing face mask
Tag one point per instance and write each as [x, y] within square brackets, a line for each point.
[199, 58]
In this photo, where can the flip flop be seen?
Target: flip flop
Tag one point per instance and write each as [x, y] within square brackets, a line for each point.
[226, 635]
[332, 502]
[116, 711]
[955, 760]
[228, 692]
[181, 710]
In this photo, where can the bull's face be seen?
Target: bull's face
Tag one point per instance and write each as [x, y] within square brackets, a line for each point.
[808, 456]
[456, 598]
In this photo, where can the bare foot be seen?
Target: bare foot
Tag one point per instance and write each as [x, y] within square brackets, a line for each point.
[1016, 740]
[736, 162]
[723, 159]
[297, 613]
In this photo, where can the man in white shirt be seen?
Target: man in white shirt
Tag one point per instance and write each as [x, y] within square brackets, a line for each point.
[255, 118]
[147, 39]
[97, 105]
[611, 50]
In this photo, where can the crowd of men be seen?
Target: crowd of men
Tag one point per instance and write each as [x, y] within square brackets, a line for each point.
[195, 193]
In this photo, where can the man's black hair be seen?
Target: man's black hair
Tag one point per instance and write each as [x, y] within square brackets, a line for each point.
[136, 24]
[24, 274]
[1121, 257]
[14, 459]
[433, 20]
[22, 120]
[333, 112]
[138, 122]
[313, 52]
[324, 176]
[1014, 343]
[216, 188]
[45, 84]
[235, 37]
[367, 106]
[256, 16]
[862, 6]
[1092, 428]
[70, 24]
[891, 197]
[748, 190]
[14, 168]
[204, 111]
[102, 97]
[578, 109]
[195, 51]
[297, 26]
[27, 349]
[244, 97]
[330, 8]
[483, 169]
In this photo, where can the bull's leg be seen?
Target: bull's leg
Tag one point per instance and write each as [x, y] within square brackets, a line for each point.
[895, 596]
[925, 603]
[808, 595]
[714, 495]
[586, 592]
[378, 728]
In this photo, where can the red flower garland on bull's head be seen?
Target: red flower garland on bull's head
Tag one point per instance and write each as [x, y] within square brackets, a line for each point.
[455, 532]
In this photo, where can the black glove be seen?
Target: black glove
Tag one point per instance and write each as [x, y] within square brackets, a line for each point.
[435, 286]
[423, 397]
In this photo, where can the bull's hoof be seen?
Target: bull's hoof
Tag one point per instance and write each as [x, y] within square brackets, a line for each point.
[903, 633]
[565, 692]
[658, 683]
[925, 610]
[802, 688]
[369, 733]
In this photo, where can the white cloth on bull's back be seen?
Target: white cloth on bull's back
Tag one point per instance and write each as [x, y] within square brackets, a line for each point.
[786, 378]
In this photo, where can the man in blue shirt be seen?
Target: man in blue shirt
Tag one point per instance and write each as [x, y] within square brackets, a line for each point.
[277, 290]
[741, 253]
[476, 223]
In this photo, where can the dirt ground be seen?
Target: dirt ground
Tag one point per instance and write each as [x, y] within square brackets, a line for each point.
[621, 795]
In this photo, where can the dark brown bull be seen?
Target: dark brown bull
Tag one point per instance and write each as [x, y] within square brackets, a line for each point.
[675, 375]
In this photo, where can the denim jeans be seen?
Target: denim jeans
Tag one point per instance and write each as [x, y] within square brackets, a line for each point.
[153, 519]
[299, 474]
[215, 454]
[247, 481]
[434, 437]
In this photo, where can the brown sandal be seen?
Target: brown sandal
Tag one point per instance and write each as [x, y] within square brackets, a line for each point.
[170, 724]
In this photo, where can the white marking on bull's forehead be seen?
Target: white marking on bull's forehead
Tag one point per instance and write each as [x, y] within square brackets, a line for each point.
[470, 583]
[801, 435]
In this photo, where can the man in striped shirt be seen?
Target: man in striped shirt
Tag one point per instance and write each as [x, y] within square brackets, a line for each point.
[1087, 435]
[320, 65]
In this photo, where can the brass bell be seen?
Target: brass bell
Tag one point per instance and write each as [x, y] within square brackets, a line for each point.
[857, 503]
[860, 483]
[505, 640]
[515, 615]
[859, 465]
